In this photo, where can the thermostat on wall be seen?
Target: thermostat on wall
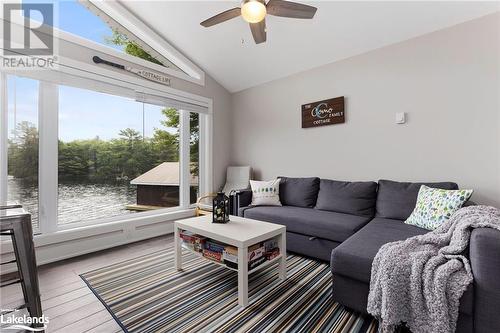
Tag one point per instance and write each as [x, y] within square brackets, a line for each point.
[400, 118]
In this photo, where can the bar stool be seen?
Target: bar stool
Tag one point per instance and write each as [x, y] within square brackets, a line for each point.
[16, 223]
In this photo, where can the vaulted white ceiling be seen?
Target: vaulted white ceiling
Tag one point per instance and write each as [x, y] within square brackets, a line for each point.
[339, 30]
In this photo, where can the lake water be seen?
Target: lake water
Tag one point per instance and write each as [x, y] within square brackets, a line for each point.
[76, 201]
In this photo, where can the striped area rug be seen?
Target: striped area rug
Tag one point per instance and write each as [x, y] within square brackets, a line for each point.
[147, 294]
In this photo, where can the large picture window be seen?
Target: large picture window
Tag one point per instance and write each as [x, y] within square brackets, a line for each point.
[76, 16]
[114, 155]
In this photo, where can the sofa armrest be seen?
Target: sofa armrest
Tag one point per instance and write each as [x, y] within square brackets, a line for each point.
[485, 261]
[243, 200]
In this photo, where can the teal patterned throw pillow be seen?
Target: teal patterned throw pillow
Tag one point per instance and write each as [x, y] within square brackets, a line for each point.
[435, 206]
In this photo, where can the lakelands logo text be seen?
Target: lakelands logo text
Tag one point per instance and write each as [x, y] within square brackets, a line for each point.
[28, 36]
[24, 322]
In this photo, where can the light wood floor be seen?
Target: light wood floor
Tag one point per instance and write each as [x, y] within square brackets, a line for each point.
[66, 299]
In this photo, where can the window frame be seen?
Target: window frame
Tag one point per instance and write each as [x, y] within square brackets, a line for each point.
[4, 137]
[72, 38]
[189, 71]
[129, 21]
[48, 150]
[48, 147]
[48, 159]
[86, 75]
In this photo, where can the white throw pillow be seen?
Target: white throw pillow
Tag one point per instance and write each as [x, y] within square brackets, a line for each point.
[265, 193]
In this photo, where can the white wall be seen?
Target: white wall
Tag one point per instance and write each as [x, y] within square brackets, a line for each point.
[447, 82]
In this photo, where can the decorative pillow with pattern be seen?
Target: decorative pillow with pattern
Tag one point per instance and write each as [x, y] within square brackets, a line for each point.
[435, 206]
[265, 193]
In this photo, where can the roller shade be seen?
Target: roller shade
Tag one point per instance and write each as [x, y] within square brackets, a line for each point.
[170, 102]
[120, 88]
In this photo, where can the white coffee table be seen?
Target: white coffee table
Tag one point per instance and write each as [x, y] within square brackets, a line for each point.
[241, 233]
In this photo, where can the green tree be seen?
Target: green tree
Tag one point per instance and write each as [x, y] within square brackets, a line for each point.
[165, 146]
[172, 121]
[135, 155]
[74, 160]
[130, 47]
[23, 152]
[130, 135]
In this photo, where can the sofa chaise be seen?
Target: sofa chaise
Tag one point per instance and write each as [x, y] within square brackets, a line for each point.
[347, 222]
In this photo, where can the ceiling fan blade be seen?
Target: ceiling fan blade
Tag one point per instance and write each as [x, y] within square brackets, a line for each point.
[259, 31]
[290, 9]
[222, 17]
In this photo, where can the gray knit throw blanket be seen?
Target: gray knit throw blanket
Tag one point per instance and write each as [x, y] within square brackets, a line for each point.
[419, 281]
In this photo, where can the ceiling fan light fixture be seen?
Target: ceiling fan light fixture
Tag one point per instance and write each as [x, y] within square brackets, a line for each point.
[253, 11]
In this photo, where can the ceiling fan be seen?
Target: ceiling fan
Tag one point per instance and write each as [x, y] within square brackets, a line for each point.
[254, 12]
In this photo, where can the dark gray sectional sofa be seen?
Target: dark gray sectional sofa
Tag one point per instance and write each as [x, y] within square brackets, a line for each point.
[318, 214]
[347, 222]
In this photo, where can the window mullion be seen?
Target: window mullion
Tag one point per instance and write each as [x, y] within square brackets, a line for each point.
[48, 155]
[203, 155]
[206, 155]
[3, 137]
[184, 158]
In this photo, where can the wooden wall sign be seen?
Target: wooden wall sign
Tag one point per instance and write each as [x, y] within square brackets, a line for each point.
[327, 112]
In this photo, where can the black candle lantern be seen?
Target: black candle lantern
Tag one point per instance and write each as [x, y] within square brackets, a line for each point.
[220, 208]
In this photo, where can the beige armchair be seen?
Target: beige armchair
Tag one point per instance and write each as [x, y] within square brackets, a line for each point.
[237, 178]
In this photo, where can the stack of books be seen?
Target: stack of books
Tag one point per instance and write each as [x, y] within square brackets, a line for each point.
[213, 250]
[230, 256]
[255, 256]
[227, 254]
[271, 249]
[193, 241]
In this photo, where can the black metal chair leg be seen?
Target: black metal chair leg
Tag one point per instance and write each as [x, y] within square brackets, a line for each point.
[27, 265]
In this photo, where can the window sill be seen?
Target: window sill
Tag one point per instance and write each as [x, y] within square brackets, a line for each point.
[138, 216]
[75, 241]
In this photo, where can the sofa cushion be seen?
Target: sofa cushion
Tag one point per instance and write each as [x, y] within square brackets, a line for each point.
[396, 200]
[312, 222]
[353, 258]
[357, 198]
[299, 192]
[265, 192]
